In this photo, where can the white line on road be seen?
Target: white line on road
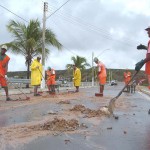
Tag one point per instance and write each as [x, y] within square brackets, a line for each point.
[145, 96]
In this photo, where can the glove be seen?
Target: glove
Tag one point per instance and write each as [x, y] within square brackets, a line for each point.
[6, 77]
[141, 47]
[139, 65]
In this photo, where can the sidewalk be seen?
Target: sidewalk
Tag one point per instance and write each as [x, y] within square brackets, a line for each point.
[144, 89]
[30, 90]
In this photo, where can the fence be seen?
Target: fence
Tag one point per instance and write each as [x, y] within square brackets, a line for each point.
[21, 83]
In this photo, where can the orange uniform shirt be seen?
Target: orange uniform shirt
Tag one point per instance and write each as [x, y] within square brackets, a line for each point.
[51, 77]
[102, 73]
[4, 59]
[127, 77]
[147, 65]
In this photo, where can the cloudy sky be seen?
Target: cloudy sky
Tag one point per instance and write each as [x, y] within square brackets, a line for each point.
[110, 29]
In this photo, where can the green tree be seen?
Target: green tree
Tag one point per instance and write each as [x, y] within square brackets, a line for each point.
[80, 62]
[28, 40]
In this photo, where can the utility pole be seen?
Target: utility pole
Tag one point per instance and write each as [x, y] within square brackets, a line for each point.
[109, 76]
[92, 68]
[43, 43]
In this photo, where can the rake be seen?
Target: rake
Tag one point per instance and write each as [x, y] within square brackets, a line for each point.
[27, 98]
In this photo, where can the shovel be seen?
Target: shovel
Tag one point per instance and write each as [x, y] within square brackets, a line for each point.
[111, 105]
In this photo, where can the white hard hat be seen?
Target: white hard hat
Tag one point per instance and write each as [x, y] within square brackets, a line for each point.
[4, 47]
[95, 59]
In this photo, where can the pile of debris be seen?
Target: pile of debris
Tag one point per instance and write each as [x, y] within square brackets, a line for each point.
[89, 113]
[61, 125]
[64, 102]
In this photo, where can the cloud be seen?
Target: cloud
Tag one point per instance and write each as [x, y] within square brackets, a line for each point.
[84, 27]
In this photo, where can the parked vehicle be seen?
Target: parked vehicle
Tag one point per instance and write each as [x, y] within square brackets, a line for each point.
[113, 82]
[62, 83]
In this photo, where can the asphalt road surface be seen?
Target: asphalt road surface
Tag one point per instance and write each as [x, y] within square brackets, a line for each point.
[131, 131]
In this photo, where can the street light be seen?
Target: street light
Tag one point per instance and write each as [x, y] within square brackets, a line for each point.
[103, 52]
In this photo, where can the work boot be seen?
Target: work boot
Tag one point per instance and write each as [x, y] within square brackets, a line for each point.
[99, 94]
[37, 94]
[76, 91]
[8, 99]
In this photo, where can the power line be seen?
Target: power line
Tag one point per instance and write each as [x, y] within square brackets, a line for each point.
[58, 9]
[99, 31]
[102, 32]
[13, 13]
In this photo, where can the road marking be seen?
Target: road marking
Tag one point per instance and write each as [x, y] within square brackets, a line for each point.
[145, 95]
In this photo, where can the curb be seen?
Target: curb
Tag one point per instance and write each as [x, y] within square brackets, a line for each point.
[143, 90]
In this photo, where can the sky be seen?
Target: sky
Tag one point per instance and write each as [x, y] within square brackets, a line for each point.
[111, 30]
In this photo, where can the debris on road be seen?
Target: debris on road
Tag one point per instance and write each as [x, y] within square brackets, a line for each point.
[109, 128]
[89, 113]
[64, 102]
[60, 125]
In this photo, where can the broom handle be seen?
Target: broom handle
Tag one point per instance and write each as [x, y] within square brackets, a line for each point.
[41, 73]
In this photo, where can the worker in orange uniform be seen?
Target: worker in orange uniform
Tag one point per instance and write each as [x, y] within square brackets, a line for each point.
[76, 77]
[51, 79]
[4, 60]
[101, 74]
[140, 64]
[127, 76]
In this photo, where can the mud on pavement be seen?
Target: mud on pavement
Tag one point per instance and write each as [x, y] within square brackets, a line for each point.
[73, 109]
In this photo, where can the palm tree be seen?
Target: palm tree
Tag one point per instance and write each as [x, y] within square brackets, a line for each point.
[28, 40]
[80, 62]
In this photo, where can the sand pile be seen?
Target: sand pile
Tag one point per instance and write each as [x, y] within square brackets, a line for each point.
[15, 135]
[61, 125]
[78, 108]
[57, 125]
[89, 112]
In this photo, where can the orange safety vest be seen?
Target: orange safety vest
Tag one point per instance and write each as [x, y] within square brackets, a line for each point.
[127, 77]
[51, 77]
[48, 74]
[147, 65]
[4, 59]
[102, 69]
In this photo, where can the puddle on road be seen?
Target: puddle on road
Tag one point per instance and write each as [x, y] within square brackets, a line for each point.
[64, 142]
[27, 114]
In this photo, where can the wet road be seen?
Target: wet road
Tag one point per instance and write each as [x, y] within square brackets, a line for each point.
[130, 132]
